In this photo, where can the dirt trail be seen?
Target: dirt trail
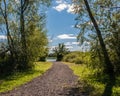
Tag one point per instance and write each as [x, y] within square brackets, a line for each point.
[52, 83]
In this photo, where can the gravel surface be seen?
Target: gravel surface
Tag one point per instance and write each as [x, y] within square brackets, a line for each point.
[57, 81]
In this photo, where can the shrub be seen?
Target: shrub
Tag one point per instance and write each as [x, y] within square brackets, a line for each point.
[77, 57]
[6, 66]
[78, 60]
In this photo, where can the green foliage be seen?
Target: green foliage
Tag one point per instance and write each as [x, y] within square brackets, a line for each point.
[6, 66]
[36, 42]
[107, 15]
[60, 51]
[93, 83]
[77, 57]
[24, 24]
[52, 55]
[19, 78]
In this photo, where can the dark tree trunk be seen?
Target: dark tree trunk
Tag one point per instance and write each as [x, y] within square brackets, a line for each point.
[24, 56]
[22, 26]
[9, 38]
[109, 67]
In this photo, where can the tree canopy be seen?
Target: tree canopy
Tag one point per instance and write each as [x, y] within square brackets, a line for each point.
[60, 51]
[23, 24]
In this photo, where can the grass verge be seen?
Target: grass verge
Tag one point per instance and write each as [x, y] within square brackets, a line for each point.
[20, 78]
[91, 83]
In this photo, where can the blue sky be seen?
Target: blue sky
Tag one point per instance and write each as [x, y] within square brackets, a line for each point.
[60, 25]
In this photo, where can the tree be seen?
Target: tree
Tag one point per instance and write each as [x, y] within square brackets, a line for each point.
[89, 26]
[5, 15]
[24, 22]
[96, 16]
[60, 51]
[109, 67]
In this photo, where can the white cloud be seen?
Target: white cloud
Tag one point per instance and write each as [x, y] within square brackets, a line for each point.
[75, 43]
[60, 7]
[59, 1]
[70, 9]
[66, 36]
[68, 44]
[3, 37]
[69, 47]
[71, 43]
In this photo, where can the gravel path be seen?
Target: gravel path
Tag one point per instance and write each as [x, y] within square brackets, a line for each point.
[52, 83]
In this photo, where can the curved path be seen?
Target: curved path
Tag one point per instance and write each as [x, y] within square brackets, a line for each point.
[51, 83]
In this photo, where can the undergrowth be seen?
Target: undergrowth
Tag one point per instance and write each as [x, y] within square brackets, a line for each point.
[93, 84]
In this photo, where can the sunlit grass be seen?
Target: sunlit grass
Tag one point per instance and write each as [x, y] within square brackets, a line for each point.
[86, 76]
[18, 78]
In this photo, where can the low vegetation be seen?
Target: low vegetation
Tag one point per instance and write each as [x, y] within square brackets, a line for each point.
[77, 57]
[89, 66]
[93, 81]
[20, 78]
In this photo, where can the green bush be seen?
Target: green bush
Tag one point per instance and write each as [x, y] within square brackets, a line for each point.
[6, 66]
[78, 60]
[93, 81]
[77, 57]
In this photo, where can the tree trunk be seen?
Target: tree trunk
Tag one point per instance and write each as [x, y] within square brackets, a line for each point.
[23, 35]
[9, 38]
[109, 67]
[22, 26]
